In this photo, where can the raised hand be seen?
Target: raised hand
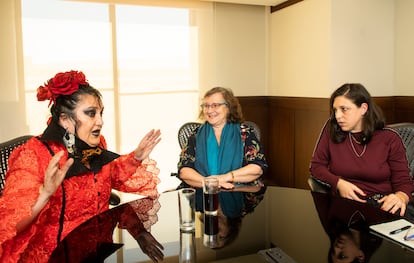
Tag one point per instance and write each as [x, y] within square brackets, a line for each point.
[147, 144]
[54, 174]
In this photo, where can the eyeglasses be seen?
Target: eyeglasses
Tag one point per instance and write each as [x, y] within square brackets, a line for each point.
[212, 106]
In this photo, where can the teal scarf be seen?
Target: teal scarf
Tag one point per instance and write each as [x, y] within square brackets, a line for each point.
[214, 159]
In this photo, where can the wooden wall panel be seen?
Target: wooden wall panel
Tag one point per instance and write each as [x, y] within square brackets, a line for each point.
[387, 106]
[300, 122]
[256, 109]
[291, 125]
[281, 152]
[404, 109]
[308, 125]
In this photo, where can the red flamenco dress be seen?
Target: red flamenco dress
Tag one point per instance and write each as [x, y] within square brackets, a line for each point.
[83, 194]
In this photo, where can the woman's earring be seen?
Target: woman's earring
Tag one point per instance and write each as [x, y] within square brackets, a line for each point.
[69, 141]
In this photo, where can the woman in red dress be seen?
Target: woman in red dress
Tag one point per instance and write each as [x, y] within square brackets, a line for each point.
[63, 177]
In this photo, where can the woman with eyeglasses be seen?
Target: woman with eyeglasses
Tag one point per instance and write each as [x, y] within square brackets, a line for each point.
[359, 157]
[224, 147]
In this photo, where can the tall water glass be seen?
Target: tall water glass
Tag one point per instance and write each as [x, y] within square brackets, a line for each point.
[210, 193]
[186, 204]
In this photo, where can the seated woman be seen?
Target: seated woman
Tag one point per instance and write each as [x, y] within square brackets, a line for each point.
[64, 176]
[224, 147]
[358, 157]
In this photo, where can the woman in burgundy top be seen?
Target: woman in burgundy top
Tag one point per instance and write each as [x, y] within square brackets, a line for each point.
[360, 158]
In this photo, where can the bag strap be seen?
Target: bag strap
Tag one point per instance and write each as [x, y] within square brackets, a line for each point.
[62, 211]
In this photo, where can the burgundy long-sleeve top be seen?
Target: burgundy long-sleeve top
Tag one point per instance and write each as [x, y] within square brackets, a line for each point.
[382, 168]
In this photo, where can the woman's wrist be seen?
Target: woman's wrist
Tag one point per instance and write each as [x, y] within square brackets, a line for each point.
[44, 194]
[231, 177]
[403, 196]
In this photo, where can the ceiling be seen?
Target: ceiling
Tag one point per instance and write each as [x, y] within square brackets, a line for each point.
[252, 2]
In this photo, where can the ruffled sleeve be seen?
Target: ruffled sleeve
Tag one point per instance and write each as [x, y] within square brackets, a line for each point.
[143, 211]
[133, 176]
[21, 191]
[146, 209]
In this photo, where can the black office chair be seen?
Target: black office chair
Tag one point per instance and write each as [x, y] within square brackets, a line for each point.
[404, 129]
[6, 149]
[185, 131]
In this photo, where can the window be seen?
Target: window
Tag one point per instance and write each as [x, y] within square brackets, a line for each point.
[60, 36]
[143, 59]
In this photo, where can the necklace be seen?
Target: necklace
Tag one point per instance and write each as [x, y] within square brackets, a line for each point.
[355, 140]
[353, 147]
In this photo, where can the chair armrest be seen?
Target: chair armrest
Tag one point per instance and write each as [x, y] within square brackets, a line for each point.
[318, 186]
[114, 199]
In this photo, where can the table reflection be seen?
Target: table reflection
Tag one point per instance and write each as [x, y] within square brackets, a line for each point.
[92, 241]
[307, 226]
[347, 222]
[223, 229]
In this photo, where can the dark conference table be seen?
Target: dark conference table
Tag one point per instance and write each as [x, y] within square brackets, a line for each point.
[295, 220]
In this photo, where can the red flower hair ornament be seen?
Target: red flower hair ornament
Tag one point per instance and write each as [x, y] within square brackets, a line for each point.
[64, 83]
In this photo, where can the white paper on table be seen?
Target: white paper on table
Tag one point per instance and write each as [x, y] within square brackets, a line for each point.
[384, 230]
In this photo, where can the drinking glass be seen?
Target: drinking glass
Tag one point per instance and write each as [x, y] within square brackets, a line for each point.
[210, 193]
[186, 201]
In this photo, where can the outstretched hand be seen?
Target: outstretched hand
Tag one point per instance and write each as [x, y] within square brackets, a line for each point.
[147, 144]
[54, 174]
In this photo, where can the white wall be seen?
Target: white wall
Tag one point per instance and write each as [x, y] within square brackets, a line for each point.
[300, 50]
[317, 45]
[404, 52]
[362, 45]
[241, 48]
[8, 71]
[12, 111]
